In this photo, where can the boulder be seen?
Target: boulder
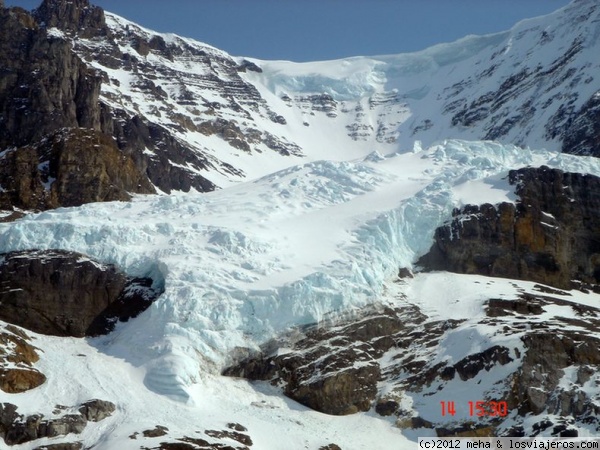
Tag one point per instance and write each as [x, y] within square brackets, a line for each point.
[97, 410]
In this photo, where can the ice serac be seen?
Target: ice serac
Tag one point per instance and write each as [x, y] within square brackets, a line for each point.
[550, 235]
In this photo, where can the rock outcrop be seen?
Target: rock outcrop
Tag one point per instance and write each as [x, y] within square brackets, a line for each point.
[235, 437]
[334, 371]
[44, 86]
[68, 168]
[96, 410]
[582, 136]
[73, 16]
[550, 235]
[17, 429]
[67, 294]
[17, 359]
[52, 149]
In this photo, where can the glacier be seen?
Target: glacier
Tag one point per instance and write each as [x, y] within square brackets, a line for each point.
[310, 243]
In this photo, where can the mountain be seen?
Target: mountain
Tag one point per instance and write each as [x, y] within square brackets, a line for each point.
[275, 255]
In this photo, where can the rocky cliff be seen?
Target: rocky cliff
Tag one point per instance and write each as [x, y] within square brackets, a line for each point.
[67, 294]
[54, 152]
[550, 235]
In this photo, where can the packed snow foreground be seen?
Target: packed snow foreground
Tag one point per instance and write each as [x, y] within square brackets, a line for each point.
[299, 246]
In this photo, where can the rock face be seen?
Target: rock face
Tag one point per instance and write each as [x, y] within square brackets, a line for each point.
[332, 371]
[16, 428]
[68, 168]
[74, 16]
[549, 236]
[56, 152]
[582, 136]
[17, 359]
[44, 86]
[67, 294]
[97, 410]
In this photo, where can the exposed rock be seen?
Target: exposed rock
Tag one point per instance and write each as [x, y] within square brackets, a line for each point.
[75, 16]
[69, 168]
[227, 434]
[330, 447]
[582, 135]
[14, 381]
[157, 153]
[17, 357]
[97, 410]
[157, 431]
[35, 427]
[67, 294]
[467, 430]
[549, 236]
[188, 443]
[17, 429]
[45, 86]
[51, 116]
[385, 407]
[63, 446]
[536, 383]
[8, 415]
[332, 371]
[468, 367]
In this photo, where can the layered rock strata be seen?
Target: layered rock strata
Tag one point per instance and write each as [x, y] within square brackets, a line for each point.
[550, 235]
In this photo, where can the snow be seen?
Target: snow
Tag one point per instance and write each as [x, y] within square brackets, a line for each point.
[244, 264]
[294, 240]
[295, 247]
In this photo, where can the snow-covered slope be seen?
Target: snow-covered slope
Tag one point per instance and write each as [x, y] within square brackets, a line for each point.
[334, 175]
[240, 118]
[243, 264]
[521, 86]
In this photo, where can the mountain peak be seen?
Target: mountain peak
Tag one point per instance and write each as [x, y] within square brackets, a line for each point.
[75, 16]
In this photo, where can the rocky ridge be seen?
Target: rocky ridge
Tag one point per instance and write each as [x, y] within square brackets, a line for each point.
[550, 235]
[18, 429]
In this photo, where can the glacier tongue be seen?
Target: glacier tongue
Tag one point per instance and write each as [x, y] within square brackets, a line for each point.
[295, 247]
